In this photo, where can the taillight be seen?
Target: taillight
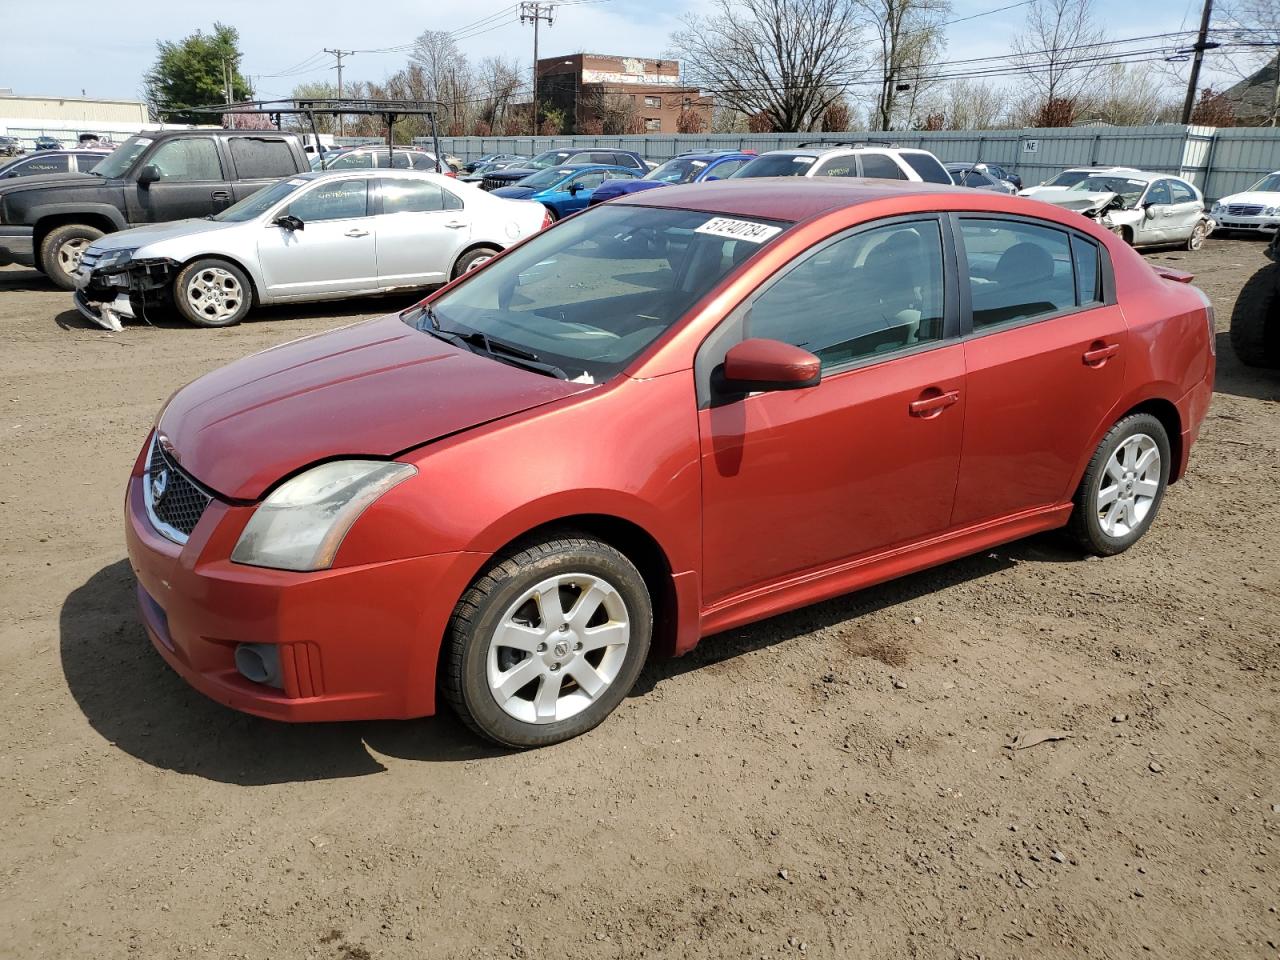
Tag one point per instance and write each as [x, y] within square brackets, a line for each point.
[451, 174]
[546, 220]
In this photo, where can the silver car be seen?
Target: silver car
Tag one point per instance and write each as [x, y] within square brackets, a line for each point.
[1146, 209]
[323, 235]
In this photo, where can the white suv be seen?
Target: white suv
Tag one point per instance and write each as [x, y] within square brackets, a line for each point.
[848, 160]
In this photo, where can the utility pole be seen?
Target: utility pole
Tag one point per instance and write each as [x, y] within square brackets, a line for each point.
[226, 89]
[1200, 47]
[338, 55]
[534, 12]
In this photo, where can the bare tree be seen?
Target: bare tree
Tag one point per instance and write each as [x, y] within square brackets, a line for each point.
[615, 112]
[908, 37]
[1058, 48]
[1127, 96]
[969, 105]
[783, 60]
[498, 79]
[446, 75]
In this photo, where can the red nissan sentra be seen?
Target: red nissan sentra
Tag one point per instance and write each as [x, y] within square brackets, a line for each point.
[673, 414]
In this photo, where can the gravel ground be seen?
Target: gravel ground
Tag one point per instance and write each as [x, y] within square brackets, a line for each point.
[834, 782]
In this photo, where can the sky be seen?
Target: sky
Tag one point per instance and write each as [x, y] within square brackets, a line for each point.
[104, 49]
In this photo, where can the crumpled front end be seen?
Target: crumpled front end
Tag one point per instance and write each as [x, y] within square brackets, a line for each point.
[111, 286]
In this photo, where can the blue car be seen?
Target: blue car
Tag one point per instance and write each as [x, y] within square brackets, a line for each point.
[565, 189]
[686, 168]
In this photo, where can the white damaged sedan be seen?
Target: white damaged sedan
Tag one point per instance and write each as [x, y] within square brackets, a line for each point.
[323, 235]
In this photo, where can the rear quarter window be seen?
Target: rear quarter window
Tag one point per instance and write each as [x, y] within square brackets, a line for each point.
[928, 167]
[261, 158]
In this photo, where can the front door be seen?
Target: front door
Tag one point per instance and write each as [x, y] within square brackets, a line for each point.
[576, 194]
[1156, 205]
[798, 480]
[1044, 363]
[421, 230]
[334, 252]
[192, 182]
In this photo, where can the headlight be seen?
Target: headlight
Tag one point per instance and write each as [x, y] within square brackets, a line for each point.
[114, 258]
[1217, 208]
[1271, 211]
[301, 525]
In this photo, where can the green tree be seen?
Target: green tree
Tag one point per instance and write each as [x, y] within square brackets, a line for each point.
[193, 73]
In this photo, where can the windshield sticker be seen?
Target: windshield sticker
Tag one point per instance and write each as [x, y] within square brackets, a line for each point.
[803, 159]
[739, 230]
[297, 183]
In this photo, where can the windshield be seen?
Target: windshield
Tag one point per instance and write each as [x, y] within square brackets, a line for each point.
[588, 296]
[1068, 178]
[546, 178]
[1268, 184]
[1129, 190]
[256, 204]
[351, 160]
[777, 165]
[552, 158]
[679, 170]
[117, 163]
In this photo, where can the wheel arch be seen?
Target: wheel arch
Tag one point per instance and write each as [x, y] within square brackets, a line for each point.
[234, 261]
[1167, 413]
[471, 247]
[49, 222]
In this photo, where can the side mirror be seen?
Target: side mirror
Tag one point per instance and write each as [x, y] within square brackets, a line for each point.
[148, 175]
[710, 178]
[288, 222]
[1148, 209]
[758, 364]
[574, 188]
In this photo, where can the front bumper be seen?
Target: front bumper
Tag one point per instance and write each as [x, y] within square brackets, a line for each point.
[106, 313]
[17, 245]
[356, 643]
[1258, 224]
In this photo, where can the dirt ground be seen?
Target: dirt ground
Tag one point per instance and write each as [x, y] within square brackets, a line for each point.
[830, 783]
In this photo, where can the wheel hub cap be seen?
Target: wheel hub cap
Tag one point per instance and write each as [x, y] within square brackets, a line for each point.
[1129, 486]
[558, 648]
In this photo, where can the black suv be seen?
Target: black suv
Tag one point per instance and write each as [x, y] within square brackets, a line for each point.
[557, 158]
[47, 221]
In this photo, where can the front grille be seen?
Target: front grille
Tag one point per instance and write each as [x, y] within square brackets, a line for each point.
[493, 183]
[1244, 209]
[175, 502]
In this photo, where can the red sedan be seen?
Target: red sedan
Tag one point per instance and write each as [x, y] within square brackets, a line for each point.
[670, 415]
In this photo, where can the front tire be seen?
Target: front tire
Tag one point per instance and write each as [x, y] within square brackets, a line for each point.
[1123, 486]
[547, 642]
[61, 249]
[212, 293]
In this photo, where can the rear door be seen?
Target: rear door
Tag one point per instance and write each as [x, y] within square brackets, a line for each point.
[420, 231]
[1044, 362]
[796, 481]
[880, 166]
[192, 181]
[334, 252]
[1185, 211]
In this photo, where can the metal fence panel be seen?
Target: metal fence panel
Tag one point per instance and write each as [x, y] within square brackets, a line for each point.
[1219, 161]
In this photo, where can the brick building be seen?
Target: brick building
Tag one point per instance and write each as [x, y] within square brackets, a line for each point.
[618, 95]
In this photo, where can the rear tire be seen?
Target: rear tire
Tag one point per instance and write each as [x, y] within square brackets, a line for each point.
[1123, 486]
[212, 293]
[551, 213]
[1255, 320]
[61, 249]
[547, 642]
[472, 259]
[1198, 235]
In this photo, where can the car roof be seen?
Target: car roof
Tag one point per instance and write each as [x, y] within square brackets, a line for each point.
[791, 199]
[380, 172]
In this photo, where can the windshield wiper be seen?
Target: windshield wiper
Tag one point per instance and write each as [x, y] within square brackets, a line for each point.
[475, 340]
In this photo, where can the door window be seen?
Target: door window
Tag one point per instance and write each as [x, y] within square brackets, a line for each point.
[973, 178]
[262, 157]
[725, 169]
[411, 196]
[588, 181]
[1182, 193]
[881, 167]
[1017, 270]
[869, 293]
[340, 200]
[59, 164]
[845, 166]
[1158, 193]
[189, 159]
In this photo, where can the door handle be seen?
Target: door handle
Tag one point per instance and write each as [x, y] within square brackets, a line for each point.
[356, 232]
[934, 403]
[455, 224]
[1099, 353]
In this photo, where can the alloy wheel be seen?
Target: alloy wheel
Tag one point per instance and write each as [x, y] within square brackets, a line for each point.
[1130, 485]
[69, 253]
[215, 293]
[558, 647]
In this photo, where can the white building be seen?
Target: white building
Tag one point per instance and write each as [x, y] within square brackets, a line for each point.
[65, 118]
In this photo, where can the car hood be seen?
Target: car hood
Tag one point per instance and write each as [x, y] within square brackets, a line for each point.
[37, 181]
[514, 192]
[1036, 191]
[1079, 201]
[511, 173]
[1253, 197]
[138, 237]
[371, 389]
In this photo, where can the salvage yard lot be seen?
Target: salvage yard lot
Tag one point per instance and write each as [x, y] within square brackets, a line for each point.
[833, 782]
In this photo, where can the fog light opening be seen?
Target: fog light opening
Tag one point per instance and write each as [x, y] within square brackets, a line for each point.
[260, 662]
